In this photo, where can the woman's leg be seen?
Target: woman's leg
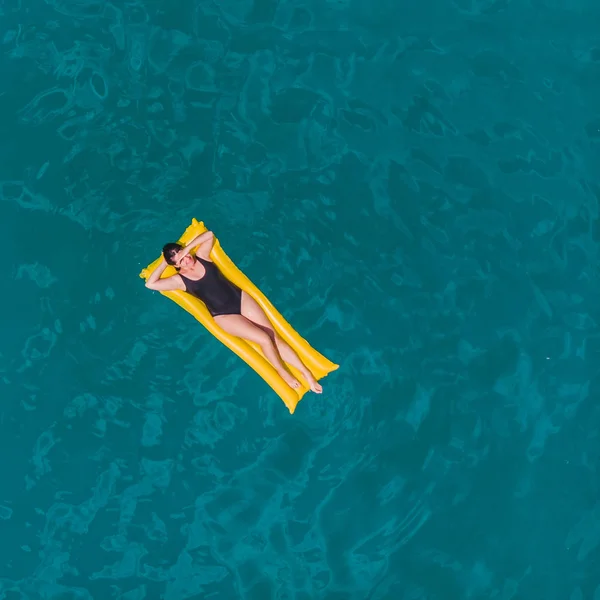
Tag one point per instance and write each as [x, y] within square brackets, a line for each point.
[240, 326]
[252, 311]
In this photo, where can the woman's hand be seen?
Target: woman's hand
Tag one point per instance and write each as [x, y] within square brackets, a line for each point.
[205, 242]
[182, 254]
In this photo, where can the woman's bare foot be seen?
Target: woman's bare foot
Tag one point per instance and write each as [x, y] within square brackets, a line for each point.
[314, 385]
[290, 380]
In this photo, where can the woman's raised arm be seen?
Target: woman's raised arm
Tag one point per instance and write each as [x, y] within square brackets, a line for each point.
[205, 242]
[163, 285]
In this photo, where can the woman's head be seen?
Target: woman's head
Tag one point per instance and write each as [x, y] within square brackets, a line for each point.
[170, 252]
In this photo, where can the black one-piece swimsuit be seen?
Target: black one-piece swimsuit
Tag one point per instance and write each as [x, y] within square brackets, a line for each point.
[216, 291]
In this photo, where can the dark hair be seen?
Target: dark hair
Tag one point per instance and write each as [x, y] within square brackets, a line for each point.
[169, 251]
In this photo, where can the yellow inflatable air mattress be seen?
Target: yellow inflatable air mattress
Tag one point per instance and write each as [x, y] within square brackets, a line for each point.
[248, 351]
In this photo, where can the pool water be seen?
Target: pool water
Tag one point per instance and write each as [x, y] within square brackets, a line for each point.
[415, 187]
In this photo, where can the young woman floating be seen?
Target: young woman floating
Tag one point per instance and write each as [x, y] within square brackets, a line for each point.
[233, 310]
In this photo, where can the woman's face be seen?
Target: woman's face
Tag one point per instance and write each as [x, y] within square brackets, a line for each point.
[185, 262]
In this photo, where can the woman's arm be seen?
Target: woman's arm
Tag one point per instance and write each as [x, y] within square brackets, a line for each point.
[205, 242]
[168, 284]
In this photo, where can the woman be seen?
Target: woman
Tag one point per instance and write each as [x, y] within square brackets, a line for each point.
[232, 309]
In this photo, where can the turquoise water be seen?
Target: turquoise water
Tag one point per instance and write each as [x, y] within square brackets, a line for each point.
[414, 185]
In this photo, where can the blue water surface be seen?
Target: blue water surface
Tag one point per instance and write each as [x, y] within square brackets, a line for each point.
[415, 186]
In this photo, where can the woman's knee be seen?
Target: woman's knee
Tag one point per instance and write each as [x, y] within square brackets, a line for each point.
[279, 341]
[262, 338]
